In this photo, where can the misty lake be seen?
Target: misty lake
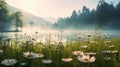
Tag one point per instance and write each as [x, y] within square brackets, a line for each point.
[55, 34]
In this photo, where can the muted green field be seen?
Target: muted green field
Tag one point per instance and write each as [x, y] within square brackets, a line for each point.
[56, 52]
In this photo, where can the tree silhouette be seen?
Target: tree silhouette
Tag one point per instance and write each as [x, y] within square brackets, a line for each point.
[106, 16]
[17, 19]
[4, 16]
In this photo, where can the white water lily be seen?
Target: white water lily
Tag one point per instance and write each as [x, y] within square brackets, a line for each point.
[86, 59]
[76, 53]
[9, 62]
[66, 59]
[47, 61]
[29, 55]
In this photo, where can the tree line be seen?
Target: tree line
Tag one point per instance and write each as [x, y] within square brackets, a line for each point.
[106, 16]
[7, 19]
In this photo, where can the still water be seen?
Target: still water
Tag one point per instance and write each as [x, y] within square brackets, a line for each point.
[69, 34]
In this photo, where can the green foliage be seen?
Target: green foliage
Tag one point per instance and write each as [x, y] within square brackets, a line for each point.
[56, 53]
[4, 13]
[104, 16]
[17, 19]
[5, 16]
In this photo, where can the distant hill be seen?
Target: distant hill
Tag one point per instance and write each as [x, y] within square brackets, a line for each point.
[28, 17]
[50, 19]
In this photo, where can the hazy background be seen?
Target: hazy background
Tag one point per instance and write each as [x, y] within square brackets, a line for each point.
[46, 16]
[54, 8]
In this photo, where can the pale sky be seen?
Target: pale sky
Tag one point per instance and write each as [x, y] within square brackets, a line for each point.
[54, 8]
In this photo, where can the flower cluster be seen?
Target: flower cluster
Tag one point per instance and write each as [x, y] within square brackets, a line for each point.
[76, 53]
[109, 51]
[86, 59]
[9, 62]
[31, 55]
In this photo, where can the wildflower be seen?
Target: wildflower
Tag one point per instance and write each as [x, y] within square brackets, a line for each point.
[114, 51]
[36, 32]
[79, 37]
[90, 53]
[76, 53]
[1, 51]
[106, 37]
[57, 49]
[111, 46]
[98, 35]
[23, 64]
[89, 35]
[47, 61]
[107, 41]
[108, 58]
[93, 42]
[84, 47]
[29, 42]
[33, 39]
[29, 55]
[86, 59]
[60, 43]
[9, 62]
[105, 51]
[39, 55]
[8, 39]
[92, 59]
[66, 59]
[52, 43]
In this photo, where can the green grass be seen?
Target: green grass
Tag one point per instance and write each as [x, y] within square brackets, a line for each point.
[57, 52]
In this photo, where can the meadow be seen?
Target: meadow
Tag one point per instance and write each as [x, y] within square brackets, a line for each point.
[77, 53]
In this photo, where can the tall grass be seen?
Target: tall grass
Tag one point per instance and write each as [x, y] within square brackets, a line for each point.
[56, 52]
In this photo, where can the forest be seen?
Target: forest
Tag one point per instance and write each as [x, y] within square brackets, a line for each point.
[105, 16]
[8, 19]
